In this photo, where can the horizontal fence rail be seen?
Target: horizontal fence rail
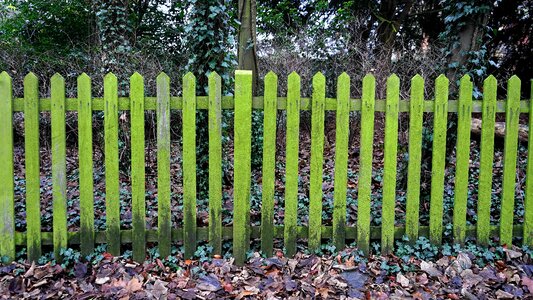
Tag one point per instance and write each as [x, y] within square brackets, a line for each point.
[243, 103]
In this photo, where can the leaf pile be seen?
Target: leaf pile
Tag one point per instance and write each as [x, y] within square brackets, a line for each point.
[344, 276]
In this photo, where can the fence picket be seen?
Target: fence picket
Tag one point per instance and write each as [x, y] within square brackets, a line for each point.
[269, 162]
[291, 163]
[242, 164]
[7, 187]
[512, 114]
[317, 161]
[85, 143]
[462, 165]
[189, 164]
[528, 202]
[215, 162]
[390, 161]
[440, 120]
[486, 160]
[365, 162]
[416, 113]
[111, 164]
[59, 165]
[164, 222]
[342, 119]
[138, 199]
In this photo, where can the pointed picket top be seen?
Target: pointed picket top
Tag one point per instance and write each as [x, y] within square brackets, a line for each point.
[393, 77]
[442, 79]
[57, 78]
[514, 81]
[136, 76]
[4, 75]
[271, 75]
[319, 78]
[189, 76]
[417, 79]
[369, 78]
[162, 76]
[110, 76]
[30, 77]
[213, 75]
[344, 76]
[84, 78]
[465, 79]
[490, 80]
[294, 76]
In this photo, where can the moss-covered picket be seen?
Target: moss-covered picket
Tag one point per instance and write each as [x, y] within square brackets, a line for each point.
[243, 103]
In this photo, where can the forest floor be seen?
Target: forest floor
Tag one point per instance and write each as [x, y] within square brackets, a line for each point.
[463, 275]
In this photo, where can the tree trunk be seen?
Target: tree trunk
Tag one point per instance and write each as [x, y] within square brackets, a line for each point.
[247, 51]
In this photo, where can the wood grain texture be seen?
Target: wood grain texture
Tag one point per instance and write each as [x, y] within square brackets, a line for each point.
[111, 164]
[189, 164]
[269, 163]
[416, 113]
[486, 160]
[462, 164]
[242, 164]
[59, 165]
[365, 163]
[164, 218]
[7, 186]
[509, 160]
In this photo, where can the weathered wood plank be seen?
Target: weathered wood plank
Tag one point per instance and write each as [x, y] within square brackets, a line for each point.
[59, 165]
[291, 163]
[242, 164]
[111, 164]
[365, 163]
[416, 113]
[342, 131]
[85, 154]
[7, 187]
[189, 164]
[215, 162]
[138, 197]
[269, 163]
[317, 161]
[164, 221]
[512, 115]
[438, 160]
[528, 205]
[486, 160]
[389, 164]
[462, 165]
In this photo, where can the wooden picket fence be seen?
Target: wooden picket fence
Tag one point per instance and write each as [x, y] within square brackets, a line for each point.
[242, 103]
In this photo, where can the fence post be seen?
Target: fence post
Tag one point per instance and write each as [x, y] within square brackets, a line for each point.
[440, 121]
[269, 162]
[528, 215]
[512, 116]
[59, 165]
[33, 182]
[317, 161]
[342, 131]
[242, 164]
[486, 159]
[215, 162]
[462, 165]
[112, 187]
[7, 188]
[390, 162]
[416, 112]
[138, 197]
[365, 162]
[189, 164]
[291, 163]
[164, 220]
